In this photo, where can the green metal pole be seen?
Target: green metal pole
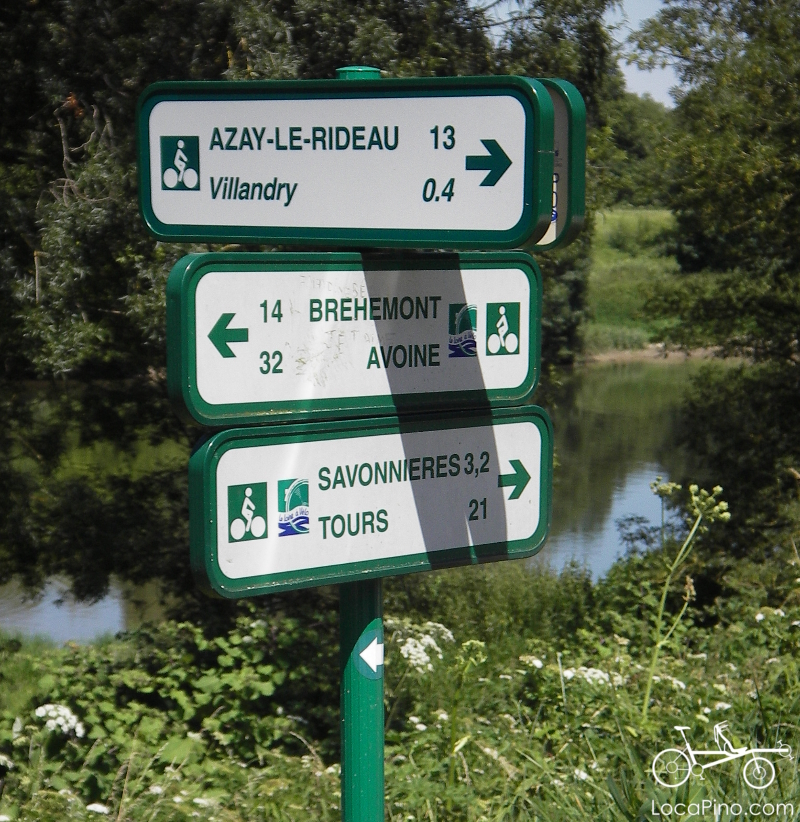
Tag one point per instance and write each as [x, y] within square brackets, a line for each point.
[361, 662]
[361, 658]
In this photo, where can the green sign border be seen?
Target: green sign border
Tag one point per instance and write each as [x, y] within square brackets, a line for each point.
[182, 352]
[576, 161]
[203, 499]
[538, 185]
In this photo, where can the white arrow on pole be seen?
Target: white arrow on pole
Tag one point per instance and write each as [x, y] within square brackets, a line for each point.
[373, 654]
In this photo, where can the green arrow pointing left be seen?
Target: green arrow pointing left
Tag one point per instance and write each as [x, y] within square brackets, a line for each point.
[220, 335]
[519, 479]
[497, 162]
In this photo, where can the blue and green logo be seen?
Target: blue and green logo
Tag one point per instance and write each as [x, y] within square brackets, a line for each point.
[463, 324]
[180, 163]
[293, 510]
[247, 511]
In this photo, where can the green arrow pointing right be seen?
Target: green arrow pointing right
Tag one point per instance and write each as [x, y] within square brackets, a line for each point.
[497, 162]
[220, 335]
[519, 479]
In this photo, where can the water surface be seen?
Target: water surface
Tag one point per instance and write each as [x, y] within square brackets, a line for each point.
[615, 431]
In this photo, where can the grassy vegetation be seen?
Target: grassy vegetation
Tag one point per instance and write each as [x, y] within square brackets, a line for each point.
[533, 696]
[629, 256]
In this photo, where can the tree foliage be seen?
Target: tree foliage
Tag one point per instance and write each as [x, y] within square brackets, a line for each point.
[735, 190]
[82, 284]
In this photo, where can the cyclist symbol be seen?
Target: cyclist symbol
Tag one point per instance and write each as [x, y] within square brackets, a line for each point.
[248, 524]
[187, 176]
[673, 766]
[502, 339]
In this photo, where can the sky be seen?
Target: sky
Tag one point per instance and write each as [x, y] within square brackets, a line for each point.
[658, 82]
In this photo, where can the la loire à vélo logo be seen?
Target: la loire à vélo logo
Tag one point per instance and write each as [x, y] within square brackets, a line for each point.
[673, 766]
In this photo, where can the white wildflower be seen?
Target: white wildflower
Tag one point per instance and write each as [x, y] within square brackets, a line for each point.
[491, 752]
[558, 783]
[759, 617]
[796, 623]
[772, 660]
[4, 818]
[156, 789]
[333, 769]
[443, 716]
[701, 655]
[194, 735]
[413, 720]
[732, 666]
[532, 661]
[569, 673]
[504, 676]
[177, 799]
[779, 612]
[96, 807]
[421, 726]
[720, 687]
[594, 675]
[61, 718]
[706, 710]
[203, 802]
[414, 651]
[722, 706]
[6, 762]
[582, 775]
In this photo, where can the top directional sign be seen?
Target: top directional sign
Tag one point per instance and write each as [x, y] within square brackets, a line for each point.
[420, 163]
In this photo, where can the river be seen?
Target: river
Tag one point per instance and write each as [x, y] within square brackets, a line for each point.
[615, 431]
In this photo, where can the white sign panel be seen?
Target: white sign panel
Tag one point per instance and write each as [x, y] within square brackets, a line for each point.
[410, 169]
[274, 513]
[293, 334]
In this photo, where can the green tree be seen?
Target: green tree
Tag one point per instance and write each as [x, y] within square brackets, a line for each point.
[735, 177]
[81, 282]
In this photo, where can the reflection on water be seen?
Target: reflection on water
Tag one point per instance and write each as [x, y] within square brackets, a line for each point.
[615, 430]
[58, 617]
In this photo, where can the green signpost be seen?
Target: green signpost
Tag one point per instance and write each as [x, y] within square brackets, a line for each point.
[444, 346]
[293, 506]
[261, 337]
[569, 164]
[457, 162]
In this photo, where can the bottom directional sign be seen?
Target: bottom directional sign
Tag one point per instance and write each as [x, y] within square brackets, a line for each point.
[295, 506]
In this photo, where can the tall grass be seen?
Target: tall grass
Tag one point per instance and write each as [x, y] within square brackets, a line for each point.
[630, 254]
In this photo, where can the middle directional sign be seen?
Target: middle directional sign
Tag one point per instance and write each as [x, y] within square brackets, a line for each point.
[415, 163]
[259, 337]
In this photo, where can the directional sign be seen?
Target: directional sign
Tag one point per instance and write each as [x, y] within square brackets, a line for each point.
[569, 165]
[423, 163]
[300, 505]
[252, 337]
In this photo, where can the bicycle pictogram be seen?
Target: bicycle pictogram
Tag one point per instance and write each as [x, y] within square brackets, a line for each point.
[673, 766]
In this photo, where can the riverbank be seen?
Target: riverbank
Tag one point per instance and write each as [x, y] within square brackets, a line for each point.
[652, 352]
